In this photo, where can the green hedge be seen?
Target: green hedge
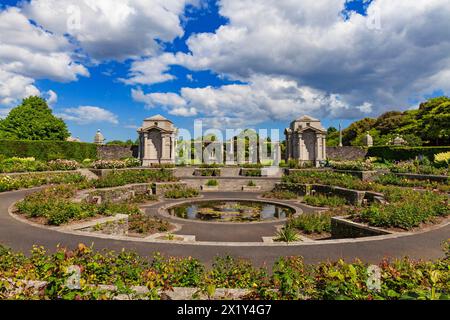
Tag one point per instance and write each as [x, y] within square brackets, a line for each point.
[405, 153]
[48, 150]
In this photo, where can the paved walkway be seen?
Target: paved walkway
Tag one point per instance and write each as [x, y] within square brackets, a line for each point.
[20, 236]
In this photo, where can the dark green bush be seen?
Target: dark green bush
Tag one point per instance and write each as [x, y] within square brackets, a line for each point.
[48, 150]
[399, 153]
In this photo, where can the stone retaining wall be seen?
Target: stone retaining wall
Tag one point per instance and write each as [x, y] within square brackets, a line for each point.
[429, 177]
[112, 152]
[116, 194]
[297, 188]
[104, 172]
[352, 196]
[363, 175]
[232, 184]
[355, 197]
[342, 228]
[346, 153]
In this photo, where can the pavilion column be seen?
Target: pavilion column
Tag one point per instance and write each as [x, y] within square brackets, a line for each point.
[145, 142]
[301, 147]
[288, 146]
[229, 153]
[173, 143]
[324, 148]
[318, 149]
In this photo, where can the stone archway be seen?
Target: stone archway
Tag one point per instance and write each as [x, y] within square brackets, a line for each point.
[310, 140]
[154, 145]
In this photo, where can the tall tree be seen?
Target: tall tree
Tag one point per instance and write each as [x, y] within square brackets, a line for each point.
[357, 129]
[33, 120]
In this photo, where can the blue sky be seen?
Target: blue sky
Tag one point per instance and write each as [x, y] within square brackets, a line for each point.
[232, 63]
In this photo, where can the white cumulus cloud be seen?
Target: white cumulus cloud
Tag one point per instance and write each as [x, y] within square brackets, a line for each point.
[88, 114]
[333, 66]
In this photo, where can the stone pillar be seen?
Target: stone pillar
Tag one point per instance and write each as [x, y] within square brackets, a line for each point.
[318, 149]
[229, 153]
[288, 147]
[276, 154]
[300, 152]
[324, 148]
[166, 147]
[173, 145]
[145, 145]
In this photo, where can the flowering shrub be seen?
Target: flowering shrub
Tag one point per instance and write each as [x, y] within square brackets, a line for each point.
[108, 164]
[55, 205]
[22, 165]
[352, 165]
[63, 165]
[116, 164]
[291, 277]
[312, 223]
[418, 167]
[178, 193]
[15, 164]
[413, 209]
[406, 209]
[8, 183]
[319, 200]
[442, 159]
[132, 162]
[124, 177]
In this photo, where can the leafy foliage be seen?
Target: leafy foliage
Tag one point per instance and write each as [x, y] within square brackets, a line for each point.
[33, 120]
[315, 223]
[429, 124]
[291, 277]
[319, 200]
[48, 150]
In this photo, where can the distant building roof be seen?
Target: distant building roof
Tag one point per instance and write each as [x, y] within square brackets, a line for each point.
[158, 117]
[307, 119]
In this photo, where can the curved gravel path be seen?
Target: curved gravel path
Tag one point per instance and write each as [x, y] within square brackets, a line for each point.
[21, 236]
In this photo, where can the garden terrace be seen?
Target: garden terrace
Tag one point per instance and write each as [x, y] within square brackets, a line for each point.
[398, 209]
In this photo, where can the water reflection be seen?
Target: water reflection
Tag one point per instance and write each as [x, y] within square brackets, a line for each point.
[231, 211]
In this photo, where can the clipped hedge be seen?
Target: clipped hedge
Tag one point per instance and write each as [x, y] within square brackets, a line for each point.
[48, 150]
[405, 153]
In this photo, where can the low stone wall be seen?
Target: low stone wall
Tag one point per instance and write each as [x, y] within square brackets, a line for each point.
[297, 188]
[342, 228]
[293, 171]
[414, 176]
[233, 184]
[159, 188]
[116, 194]
[112, 152]
[363, 175]
[355, 197]
[101, 173]
[117, 226]
[346, 153]
[352, 196]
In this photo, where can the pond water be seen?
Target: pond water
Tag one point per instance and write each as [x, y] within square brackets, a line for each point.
[231, 211]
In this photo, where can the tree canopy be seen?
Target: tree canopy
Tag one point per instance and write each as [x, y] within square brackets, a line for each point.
[33, 120]
[430, 125]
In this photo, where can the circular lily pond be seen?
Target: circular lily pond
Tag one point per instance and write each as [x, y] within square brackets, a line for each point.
[231, 211]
